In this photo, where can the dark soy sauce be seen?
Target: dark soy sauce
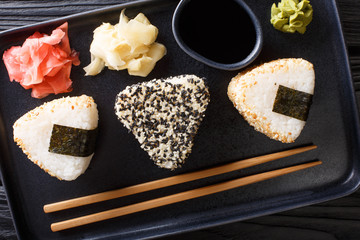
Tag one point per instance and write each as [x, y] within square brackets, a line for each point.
[221, 31]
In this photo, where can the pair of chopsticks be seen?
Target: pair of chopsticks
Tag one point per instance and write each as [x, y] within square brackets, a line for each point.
[170, 181]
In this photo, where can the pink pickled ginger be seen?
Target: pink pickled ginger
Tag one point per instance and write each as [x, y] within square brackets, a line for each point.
[43, 62]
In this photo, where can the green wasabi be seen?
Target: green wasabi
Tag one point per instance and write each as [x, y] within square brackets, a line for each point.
[291, 15]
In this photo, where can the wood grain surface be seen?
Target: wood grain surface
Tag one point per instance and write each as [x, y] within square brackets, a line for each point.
[336, 219]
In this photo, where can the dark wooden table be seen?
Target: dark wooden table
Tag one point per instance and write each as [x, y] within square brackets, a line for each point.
[337, 219]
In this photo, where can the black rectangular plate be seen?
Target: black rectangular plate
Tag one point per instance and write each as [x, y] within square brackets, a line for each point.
[224, 136]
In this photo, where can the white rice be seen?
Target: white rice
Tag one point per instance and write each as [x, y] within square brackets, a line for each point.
[33, 130]
[253, 93]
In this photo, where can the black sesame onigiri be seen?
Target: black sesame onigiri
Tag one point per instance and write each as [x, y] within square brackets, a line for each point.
[164, 115]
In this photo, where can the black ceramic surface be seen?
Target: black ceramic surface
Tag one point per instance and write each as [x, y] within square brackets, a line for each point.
[223, 136]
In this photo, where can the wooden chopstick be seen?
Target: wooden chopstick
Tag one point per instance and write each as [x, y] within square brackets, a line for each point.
[165, 182]
[178, 197]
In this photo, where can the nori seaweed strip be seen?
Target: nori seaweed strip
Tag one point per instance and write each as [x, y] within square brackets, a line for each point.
[292, 103]
[72, 141]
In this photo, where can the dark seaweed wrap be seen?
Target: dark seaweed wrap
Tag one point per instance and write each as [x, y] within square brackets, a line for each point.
[292, 103]
[72, 141]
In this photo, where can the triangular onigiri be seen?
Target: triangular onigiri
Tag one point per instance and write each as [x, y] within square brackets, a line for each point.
[164, 115]
[33, 131]
[275, 97]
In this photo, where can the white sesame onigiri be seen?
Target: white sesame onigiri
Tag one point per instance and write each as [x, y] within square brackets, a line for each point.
[253, 94]
[32, 132]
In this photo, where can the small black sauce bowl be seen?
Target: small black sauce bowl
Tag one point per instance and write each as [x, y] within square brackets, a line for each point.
[223, 66]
